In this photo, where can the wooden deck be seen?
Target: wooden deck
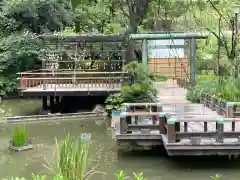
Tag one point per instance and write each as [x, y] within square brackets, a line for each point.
[70, 83]
[194, 121]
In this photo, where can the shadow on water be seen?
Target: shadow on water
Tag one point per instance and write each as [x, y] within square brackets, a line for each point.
[73, 104]
[206, 162]
[180, 162]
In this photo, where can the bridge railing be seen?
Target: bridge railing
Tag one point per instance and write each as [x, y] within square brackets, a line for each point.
[178, 128]
[172, 128]
[72, 79]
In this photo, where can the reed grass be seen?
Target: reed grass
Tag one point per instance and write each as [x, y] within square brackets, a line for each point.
[72, 157]
[19, 136]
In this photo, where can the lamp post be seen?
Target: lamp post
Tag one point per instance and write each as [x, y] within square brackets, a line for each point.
[235, 39]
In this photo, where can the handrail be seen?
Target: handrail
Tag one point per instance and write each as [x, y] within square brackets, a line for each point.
[59, 73]
[83, 61]
[76, 78]
[226, 120]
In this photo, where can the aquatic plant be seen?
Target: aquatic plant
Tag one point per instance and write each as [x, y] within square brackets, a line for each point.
[139, 176]
[71, 158]
[19, 137]
[216, 177]
[121, 175]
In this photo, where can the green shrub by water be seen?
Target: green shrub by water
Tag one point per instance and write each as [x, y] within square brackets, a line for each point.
[223, 87]
[19, 137]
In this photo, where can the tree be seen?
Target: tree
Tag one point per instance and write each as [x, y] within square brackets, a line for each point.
[220, 20]
[20, 22]
[135, 11]
[165, 15]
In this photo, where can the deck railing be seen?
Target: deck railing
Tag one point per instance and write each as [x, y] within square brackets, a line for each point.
[70, 79]
[177, 128]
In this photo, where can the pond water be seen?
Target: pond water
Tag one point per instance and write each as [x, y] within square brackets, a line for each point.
[20, 107]
[103, 154]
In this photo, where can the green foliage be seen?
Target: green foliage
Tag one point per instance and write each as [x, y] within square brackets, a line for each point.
[37, 177]
[34, 15]
[20, 20]
[216, 177]
[139, 176]
[19, 137]
[141, 90]
[71, 158]
[113, 102]
[18, 52]
[224, 87]
[121, 175]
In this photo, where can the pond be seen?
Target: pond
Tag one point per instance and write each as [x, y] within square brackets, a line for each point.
[103, 154]
[20, 107]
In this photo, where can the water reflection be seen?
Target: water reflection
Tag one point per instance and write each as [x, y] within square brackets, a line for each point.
[20, 107]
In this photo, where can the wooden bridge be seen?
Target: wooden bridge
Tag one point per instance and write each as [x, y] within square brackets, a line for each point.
[71, 83]
[181, 127]
[76, 66]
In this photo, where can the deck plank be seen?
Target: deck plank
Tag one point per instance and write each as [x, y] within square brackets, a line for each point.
[173, 99]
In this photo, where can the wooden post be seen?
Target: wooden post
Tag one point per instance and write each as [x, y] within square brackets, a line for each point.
[136, 120]
[123, 123]
[201, 97]
[51, 101]
[154, 119]
[213, 103]
[220, 129]
[229, 106]
[57, 99]
[44, 103]
[171, 132]
[162, 122]
[177, 129]
[218, 108]
[229, 109]
[159, 107]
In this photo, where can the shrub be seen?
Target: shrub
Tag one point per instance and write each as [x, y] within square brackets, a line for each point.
[19, 137]
[141, 89]
[224, 87]
[113, 102]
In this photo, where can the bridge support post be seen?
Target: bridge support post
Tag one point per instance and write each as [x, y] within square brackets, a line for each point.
[159, 107]
[171, 131]
[162, 122]
[213, 103]
[230, 113]
[218, 108]
[123, 123]
[44, 103]
[220, 129]
[57, 99]
[51, 101]
[229, 109]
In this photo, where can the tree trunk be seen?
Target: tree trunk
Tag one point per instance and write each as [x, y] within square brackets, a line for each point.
[136, 14]
[132, 29]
